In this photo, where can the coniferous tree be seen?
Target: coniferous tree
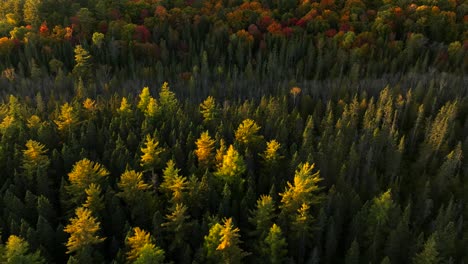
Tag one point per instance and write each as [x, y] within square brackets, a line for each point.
[17, 250]
[142, 249]
[83, 231]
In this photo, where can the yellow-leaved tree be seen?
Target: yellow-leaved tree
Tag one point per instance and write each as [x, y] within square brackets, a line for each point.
[83, 231]
[66, 119]
[247, 133]
[34, 157]
[142, 249]
[131, 185]
[204, 151]
[304, 190]
[83, 174]
[232, 165]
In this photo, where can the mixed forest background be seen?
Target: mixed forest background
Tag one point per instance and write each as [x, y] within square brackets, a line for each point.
[228, 131]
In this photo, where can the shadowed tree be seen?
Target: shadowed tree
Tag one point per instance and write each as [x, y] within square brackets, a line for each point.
[275, 247]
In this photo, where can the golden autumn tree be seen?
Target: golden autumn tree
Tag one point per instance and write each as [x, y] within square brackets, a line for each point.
[232, 165]
[83, 231]
[17, 251]
[94, 200]
[247, 133]
[34, 157]
[131, 184]
[66, 119]
[145, 97]
[208, 109]
[83, 174]
[229, 243]
[303, 190]
[151, 154]
[204, 151]
[142, 248]
[125, 107]
[174, 184]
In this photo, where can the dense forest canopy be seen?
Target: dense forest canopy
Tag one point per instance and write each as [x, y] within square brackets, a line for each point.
[229, 131]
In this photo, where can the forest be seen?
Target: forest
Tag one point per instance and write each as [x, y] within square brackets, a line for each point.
[233, 131]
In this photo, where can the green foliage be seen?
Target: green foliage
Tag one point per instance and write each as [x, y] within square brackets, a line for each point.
[17, 251]
[83, 65]
[276, 247]
[429, 254]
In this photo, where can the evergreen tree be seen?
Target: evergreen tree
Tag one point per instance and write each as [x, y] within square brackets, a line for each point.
[429, 254]
[275, 246]
[262, 216]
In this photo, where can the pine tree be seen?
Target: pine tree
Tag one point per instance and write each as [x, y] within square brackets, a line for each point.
[429, 254]
[83, 231]
[67, 119]
[94, 200]
[177, 226]
[167, 100]
[17, 251]
[352, 256]
[275, 247]
[262, 216]
[211, 242]
[174, 184]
